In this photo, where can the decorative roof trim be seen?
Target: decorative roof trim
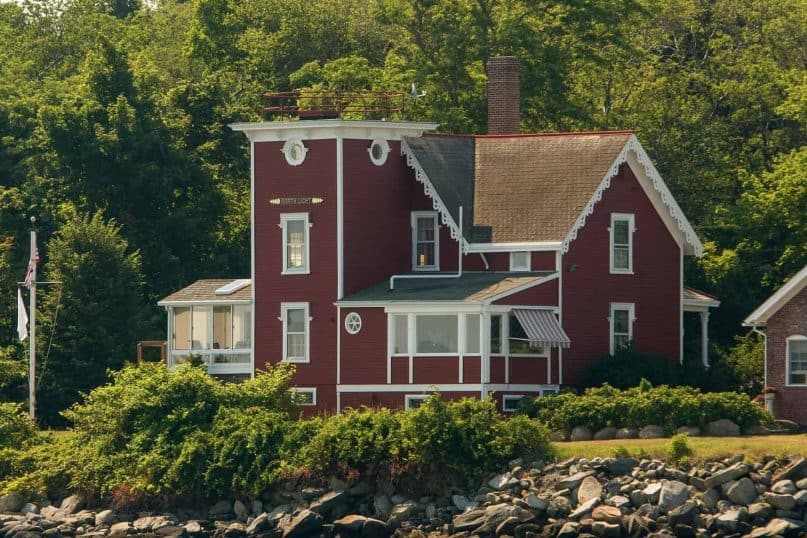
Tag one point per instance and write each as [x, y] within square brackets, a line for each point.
[431, 192]
[781, 297]
[684, 227]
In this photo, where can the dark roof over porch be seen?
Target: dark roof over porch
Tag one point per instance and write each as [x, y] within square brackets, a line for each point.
[471, 287]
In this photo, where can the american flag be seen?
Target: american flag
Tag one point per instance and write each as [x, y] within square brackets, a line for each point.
[29, 275]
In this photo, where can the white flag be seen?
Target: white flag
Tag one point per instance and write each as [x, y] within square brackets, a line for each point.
[22, 317]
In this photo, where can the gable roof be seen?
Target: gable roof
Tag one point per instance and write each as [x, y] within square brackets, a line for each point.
[533, 188]
[790, 289]
[204, 292]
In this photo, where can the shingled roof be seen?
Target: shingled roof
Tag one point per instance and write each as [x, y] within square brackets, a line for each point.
[204, 291]
[521, 188]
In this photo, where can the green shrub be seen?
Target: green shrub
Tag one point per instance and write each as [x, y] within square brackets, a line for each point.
[669, 407]
[678, 449]
[16, 429]
[626, 368]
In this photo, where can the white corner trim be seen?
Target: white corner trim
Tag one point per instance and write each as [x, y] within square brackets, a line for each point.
[429, 190]
[633, 145]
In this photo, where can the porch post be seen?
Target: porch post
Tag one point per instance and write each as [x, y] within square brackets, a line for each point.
[705, 338]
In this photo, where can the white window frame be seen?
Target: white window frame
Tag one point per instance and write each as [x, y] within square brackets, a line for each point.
[285, 218]
[311, 390]
[631, 308]
[516, 397]
[413, 324]
[287, 147]
[631, 219]
[464, 335]
[284, 309]
[514, 267]
[545, 353]
[792, 338]
[409, 397]
[385, 149]
[415, 215]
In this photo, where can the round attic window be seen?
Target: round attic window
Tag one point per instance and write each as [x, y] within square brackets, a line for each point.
[378, 150]
[295, 151]
[353, 323]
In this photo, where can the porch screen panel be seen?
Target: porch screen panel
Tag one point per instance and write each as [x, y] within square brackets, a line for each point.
[242, 326]
[437, 334]
[182, 327]
[472, 334]
[222, 327]
[200, 333]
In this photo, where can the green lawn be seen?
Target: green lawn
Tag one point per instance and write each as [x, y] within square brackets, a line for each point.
[703, 447]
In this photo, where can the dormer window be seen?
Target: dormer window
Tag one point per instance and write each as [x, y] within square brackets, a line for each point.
[622, 228]
[425, 241]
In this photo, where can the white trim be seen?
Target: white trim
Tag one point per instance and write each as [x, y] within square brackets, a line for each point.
[414, 217]
[252, 245]
[385, 149]
[656, 189]
[310, 390]
[631, 308]
[202, 302]
[354, 329]
[791, 338]
[530, 246]
[429, 190]
[411, 387]
[278, 131]
[287, 147]
[411, 397]
[338, 349]
[515, 267]
[621, 217]
[559, 269]
[791, 288]
[284, 308]
[523, 387]
[340, 218]
[285, 218]
[506, 397]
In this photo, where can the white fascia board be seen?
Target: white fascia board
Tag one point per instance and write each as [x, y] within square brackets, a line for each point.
[762, 314]
[275, 131]
[414, 306]
[203, 303]
[699, 303]
[537, 246]
[410, 388]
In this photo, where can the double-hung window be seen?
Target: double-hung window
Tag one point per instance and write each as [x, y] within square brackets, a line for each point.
[295, 331]
[797, 360]
[622, 229]
[296, 246]
[621, 321]
[425, 241]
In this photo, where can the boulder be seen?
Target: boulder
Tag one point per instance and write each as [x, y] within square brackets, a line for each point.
[627, 433]
[460, 501]
[692, 431]
[383, 506]
[119, 529]
[609, 514]
[571, 482]
[240, 510]
[673, 494]
[784, 486]
[258, 524]
[780, 501]
[589, 488]
[721, 428]
[580, 433]
[779, 527]
[795, 470]
[535, 502]
[620, 466]
[350, 525]
[584, 509]
[11, 502]
[507, 527]
[569, 530]
[329, 501]
[400, 513]
[104, 517]
[606, 530]
[651, 431]
[559, 436]
[730, 519]
[651, 492]
[374, 528]
[742, 491]
[720, 477]
[683, 515]
[220, 509]
[306, 523]
[72, 504]
[469, 521]
[760, 511]
[605, 434]
[29, 508]
[502, 481]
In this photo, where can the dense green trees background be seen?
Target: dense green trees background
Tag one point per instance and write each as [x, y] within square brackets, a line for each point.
[114, 113]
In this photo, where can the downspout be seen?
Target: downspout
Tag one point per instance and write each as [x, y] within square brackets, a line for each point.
[484, 260]
[453, 275]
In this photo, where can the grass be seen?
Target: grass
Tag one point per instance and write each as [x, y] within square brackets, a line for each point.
[702, 447]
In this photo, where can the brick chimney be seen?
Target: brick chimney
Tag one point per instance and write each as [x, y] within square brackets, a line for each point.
[504, 95]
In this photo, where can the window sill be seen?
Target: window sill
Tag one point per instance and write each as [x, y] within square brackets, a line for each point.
[300, 272]
[621, 272]
[439, 355]
[796, 385]
[431, 269]
[296, 361]
[528, 356]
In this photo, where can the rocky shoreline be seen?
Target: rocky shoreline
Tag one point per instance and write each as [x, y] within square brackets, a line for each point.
[601, 497]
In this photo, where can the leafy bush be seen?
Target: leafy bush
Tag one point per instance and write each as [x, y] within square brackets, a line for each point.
[678, 449]
[666, 406]
[626, 368]
[16, 429]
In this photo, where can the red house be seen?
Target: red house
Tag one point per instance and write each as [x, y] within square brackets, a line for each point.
[389, 262]
[784, 317]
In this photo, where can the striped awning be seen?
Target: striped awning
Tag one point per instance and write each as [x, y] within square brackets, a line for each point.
[542, 327]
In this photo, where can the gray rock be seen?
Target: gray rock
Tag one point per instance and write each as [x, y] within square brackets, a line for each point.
[627, 433]
[760, 510]
[651, 492]
[605, 434]
[795, 470]
[29, 508]
[780, 501]
[720, 477]
[258, 524]
[620, 466]
[469, 521]
[104, 517]
[692, 431]
[742, 491]
[374, 528]
[221, 508]
[460, 501]
[673, 494]
[584, 509]
[383, 506]
[651, 431]
[730, 519]
[801, 497]
[400, 513]
[683, 515]
[589, 488]
[257, 507]
[619, 501]
[351, 525]
[304, 524]
[606, 530]
[779, 527]
[571, 482]
[240, 510]
[609, 514]
[502, 481]
[535, 502]
[329, 501]
[48, 511]
[801, 484]
[507, 527]
[72, 504]
[721, 428]
[569, 530]
[580, 433]
[11, 502]
[175, 531]
[278, 513]
[559, 436]
[784, 486]
[119, 529]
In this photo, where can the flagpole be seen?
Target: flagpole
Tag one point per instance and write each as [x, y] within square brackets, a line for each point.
[32, 317]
